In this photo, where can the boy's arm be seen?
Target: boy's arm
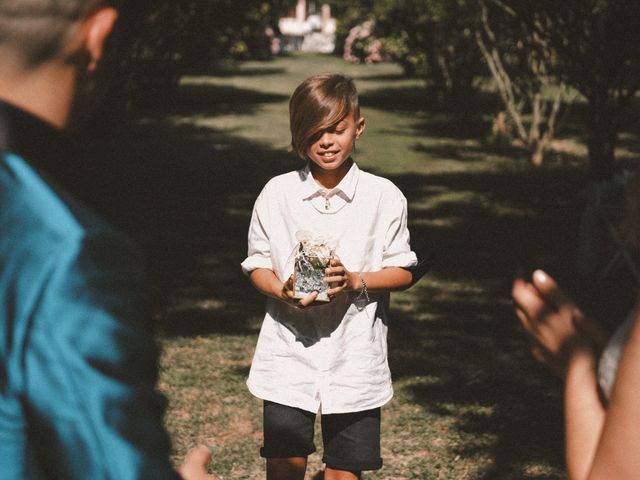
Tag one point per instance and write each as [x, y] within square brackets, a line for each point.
[267, 283]
[390, 278]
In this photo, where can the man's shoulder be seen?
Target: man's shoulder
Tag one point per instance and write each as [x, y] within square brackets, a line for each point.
[38, 217]
[31, 203]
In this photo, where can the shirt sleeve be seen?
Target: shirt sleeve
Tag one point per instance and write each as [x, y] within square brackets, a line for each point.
[91, 366]
[397, 250]
[259, 247]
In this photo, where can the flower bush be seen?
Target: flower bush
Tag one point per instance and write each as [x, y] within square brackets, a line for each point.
[361, 45]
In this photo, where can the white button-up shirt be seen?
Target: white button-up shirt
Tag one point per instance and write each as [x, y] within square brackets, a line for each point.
[332, 356]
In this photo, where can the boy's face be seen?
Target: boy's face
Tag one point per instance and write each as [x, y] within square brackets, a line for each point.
[335, 144]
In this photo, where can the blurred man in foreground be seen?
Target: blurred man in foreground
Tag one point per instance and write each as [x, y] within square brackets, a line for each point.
[78, 363]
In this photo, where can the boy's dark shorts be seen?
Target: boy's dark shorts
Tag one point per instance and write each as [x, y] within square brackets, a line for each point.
[351, 440]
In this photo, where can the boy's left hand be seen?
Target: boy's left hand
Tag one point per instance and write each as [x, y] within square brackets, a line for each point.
[343, 279]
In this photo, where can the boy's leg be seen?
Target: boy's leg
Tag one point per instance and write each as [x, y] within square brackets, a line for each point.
[292, 468]
[351, 444]
[288, 440]
[331, 474]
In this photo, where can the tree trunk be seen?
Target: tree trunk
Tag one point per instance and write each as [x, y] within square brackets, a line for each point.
[601, 142]
[538, 150]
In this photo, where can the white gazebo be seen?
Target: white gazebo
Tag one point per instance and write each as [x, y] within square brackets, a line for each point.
[309, 29]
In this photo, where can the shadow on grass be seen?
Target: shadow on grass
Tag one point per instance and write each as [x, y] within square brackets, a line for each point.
[415, 98]
[457, 335]
[226, 69]
[383, 77]
[186, 193]
[202, 100]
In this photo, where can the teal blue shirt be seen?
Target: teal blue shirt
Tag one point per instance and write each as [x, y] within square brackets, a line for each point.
[78, 363]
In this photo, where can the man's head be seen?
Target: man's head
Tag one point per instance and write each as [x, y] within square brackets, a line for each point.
[36, 31]
[51, 52]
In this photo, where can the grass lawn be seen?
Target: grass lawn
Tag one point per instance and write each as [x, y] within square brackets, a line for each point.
[469, 402]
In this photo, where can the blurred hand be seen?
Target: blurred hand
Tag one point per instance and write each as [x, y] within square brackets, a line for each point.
[195, 463]
[554, 324]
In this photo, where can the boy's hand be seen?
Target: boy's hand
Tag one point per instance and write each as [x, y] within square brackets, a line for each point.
[288, 295]
[343, 279]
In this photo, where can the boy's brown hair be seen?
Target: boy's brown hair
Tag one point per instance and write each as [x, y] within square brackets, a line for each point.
[319, 103]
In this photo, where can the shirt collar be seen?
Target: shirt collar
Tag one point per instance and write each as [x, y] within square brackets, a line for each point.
[347, 186]
[46, 148]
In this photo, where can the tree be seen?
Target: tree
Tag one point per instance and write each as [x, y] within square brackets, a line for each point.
[349, 14]
[431, 39]
[523, 67]
[592, 46]
[165, 39]
[598, 47]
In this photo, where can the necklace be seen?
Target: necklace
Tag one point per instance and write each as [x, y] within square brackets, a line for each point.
[327, 201]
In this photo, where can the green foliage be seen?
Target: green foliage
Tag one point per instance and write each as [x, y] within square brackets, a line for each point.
[591, 45]
[598, 47]
[430, 39]
[165, 39]
[349, 14]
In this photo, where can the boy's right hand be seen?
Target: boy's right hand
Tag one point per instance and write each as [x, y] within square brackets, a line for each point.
[288, 295]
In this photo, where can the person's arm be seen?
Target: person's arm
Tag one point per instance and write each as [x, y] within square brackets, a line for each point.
[616, 454]
[259, 266]
[567, 341]
[267, 283]
[390, 279]
[396, 254]
[584, 412]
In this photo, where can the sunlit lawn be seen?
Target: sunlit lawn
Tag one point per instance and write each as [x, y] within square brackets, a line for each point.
[469, 402]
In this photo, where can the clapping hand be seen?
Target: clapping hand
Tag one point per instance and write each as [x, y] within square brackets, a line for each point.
[554, 324]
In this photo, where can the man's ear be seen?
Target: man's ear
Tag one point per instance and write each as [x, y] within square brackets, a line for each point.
[96, 30]
[360, 125]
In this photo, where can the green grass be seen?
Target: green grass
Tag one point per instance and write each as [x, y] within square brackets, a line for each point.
[469, 402]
